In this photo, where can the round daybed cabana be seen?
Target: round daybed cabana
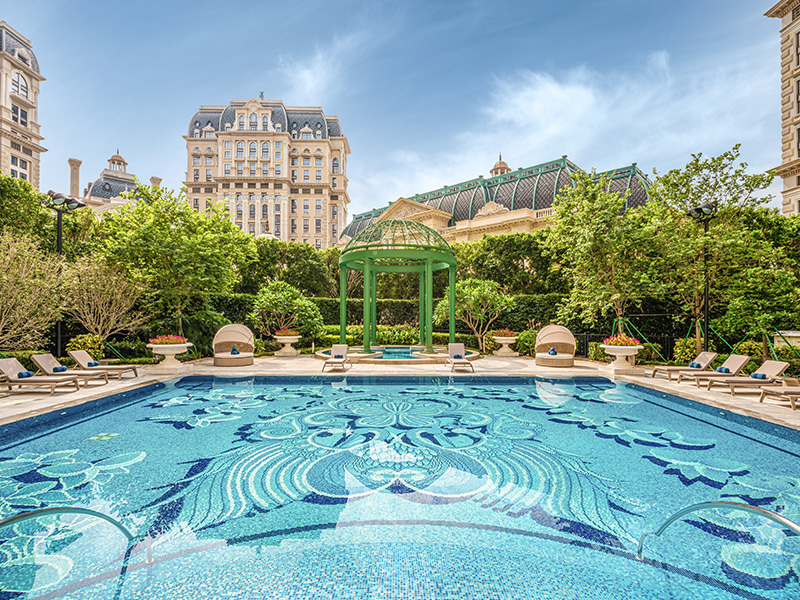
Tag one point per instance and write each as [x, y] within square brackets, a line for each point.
[396, 246]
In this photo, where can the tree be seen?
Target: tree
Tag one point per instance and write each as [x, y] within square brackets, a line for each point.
[29, 294]
[279, 306]
[681, 242]
[478, 304]
[176, 252]
[101, 298]
[604, 248]
[300, 265]
[23, 209]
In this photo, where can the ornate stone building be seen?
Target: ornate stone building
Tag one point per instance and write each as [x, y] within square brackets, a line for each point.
[788, 11]
[105, 192]
[280, 170]
[507, 202]
[20, 141]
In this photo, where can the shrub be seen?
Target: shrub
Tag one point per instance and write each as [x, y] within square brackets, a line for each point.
[595, 352]
[526, 342]
[690, 350]
[93, 344]
[24, 356]
[280, 306]
[128, 348]
[649, 354]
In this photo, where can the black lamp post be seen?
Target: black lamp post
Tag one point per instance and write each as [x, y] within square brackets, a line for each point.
[61, 204]
[704, 213]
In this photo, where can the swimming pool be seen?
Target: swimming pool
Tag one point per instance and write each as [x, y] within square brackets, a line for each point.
[400, 488]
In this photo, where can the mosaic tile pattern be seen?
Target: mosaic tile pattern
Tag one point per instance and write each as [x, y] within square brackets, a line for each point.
[407, 488]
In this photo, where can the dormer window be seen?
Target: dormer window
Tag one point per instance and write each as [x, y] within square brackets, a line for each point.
[241, 122]
[253, 122]
[265, 123]
[107, 187]
[278, 127]
[19, 85]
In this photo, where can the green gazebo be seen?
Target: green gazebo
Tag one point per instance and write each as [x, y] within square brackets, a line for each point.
[396, 246]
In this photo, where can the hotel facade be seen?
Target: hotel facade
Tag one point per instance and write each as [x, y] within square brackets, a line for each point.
[280, 170]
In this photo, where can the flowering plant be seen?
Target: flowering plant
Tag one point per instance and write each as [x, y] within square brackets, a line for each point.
[168, 338]
[287, 332]
[620, 339]
[504, 333]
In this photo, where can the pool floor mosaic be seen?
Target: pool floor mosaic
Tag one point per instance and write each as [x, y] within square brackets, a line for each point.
[398, 488]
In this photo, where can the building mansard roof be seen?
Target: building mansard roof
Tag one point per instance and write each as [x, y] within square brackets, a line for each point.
[533, 188]
[17, 46]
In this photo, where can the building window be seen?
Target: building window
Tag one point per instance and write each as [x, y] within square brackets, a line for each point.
[252, 211]
[277, 207]
[278, 127]
[334, 212]
[265, 150]
[227, 153]
[208, 204]
[239, 169]
[318, 207]
[305, 207]
[317, 226]
[293, 162]
[318, 176]
[305, 226]
[294, 205]
[294, 175]
[333, 230]
[265, 169]
[318, 162]
[19, 115]
[227, 144]
[19, 85]
[277, 152]
[264, 211]
[252, 198]
[306, 162]
[278, 144]
[277, 224]
[240, 150]
[277, 170]
[294, 135]
[265, 122]
[253, 122]
[196, 160]
[208, 174]
[294, 226]
[197, 203]
[306, 176]
[306, 135]
[209, 161]
[252, 169]
[797, 142]
[335, 166]
[196, 175]
[241, 122]
[227, 170]
[333, 184]
[319, 135]
[252, 149]
[238, 211]
[208, 134]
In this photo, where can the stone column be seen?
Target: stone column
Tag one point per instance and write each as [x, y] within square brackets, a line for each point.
[74, 177]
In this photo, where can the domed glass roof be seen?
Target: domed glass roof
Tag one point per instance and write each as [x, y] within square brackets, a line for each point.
[398, 234]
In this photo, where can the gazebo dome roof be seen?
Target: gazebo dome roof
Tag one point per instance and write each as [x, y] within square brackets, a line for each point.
[398, 234]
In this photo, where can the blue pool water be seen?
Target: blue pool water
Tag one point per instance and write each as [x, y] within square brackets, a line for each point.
[397, 353]
[409, 488]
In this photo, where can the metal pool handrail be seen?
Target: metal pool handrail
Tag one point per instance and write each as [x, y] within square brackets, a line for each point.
[767, 514]
[67, 510]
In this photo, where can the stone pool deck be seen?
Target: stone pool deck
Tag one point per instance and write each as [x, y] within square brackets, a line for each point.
[26, 403]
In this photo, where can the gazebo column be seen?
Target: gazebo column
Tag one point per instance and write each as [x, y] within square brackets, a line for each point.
[367, 319]
[374, 308]
[422, 308]
[452, 295]
[429, 306]
[342, 304]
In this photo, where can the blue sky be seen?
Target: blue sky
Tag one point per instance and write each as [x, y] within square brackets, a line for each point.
[427, 92]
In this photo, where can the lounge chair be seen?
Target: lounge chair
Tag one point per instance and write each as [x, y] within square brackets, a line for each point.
[561, 339]
[771, 369]
[47, 363]
[83, 358]
[734, 363]
[336, 363]
[230, 337]
[10, 367]
[703, 359]
[457, 357]
[790, 390]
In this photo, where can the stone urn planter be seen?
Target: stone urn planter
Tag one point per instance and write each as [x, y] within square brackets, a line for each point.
[169, 352]
[505, 343]
[621, 353]
[287, 341]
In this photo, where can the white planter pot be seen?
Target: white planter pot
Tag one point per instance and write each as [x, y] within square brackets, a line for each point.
[505, 342]
[622, 353]
[287, 341]
[169, 351]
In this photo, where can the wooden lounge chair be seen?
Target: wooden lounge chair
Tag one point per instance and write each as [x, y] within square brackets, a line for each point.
[228, 337]
[337, 363]
[10, 367]
[48, 362]
[790, 391]
[83, 359]
[560, 338]
[703, 359]
[771, 368]
[734, 363]
[457, 350]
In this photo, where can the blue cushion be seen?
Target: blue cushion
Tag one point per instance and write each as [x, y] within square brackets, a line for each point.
[695, 365]
[552, 351]
[758, 375]
[93, 363]
[723, 370]
[457, 356]
[234, 350]
[24, 374]
[59, 369]
[338, 356]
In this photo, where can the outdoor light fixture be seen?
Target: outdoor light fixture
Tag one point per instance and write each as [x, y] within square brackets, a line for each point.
[704, 213]
[61, 204]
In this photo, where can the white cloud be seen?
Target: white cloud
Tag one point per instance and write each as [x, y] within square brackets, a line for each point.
[653, 114]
